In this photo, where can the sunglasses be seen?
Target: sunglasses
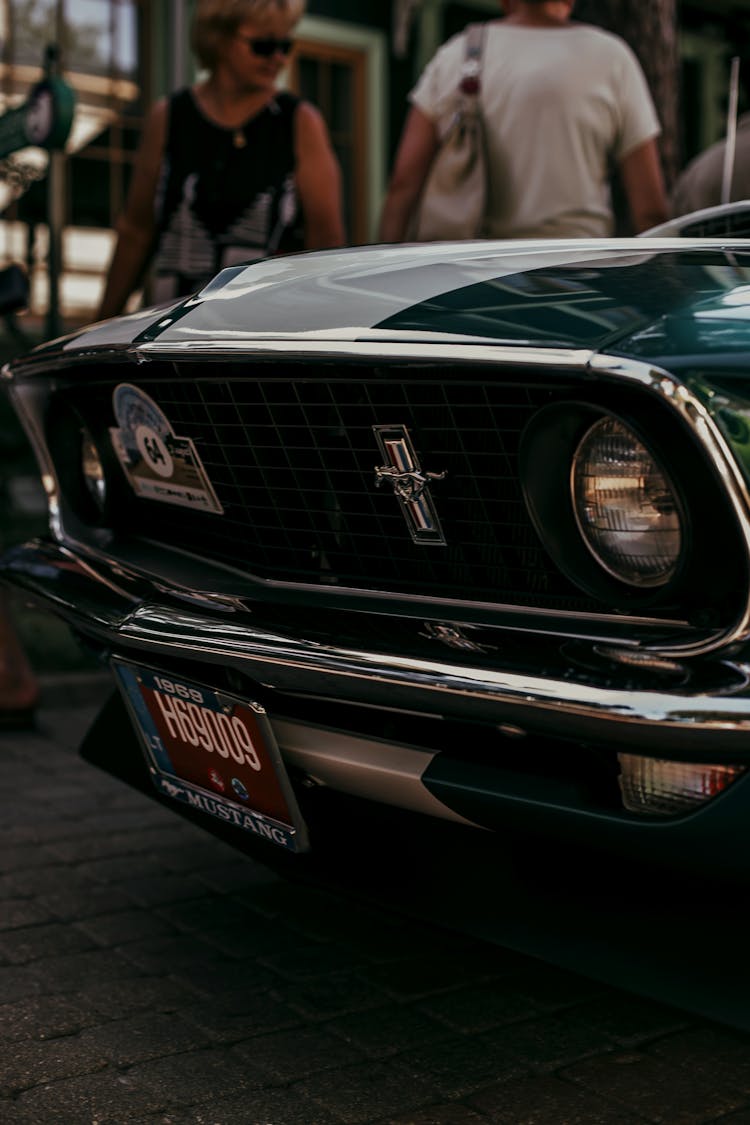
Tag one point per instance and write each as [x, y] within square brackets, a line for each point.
[267, 48]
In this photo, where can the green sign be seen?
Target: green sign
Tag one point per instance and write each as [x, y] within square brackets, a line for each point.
[44, 119]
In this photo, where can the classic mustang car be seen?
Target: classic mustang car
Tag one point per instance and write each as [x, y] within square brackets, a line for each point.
[459, 530]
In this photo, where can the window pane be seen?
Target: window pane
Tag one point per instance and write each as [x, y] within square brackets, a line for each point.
[101, 36]
[33, 27]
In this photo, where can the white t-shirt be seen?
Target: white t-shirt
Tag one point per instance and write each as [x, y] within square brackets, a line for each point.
[560, 104]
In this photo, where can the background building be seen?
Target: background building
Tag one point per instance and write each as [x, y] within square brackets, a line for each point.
[355, 60]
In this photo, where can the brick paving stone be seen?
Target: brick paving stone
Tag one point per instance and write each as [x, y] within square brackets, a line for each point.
[380, 1032]
[39, 832]
[61, 974]
[380, 938]
[7, 884]
[125, 1042]
[193, 1077]
[300, 906]
[335, 994]
[421, 975]
[240, 1015]
[449, 1113]
[629, 1019]
[46, 1017]
[18, 982]
[289, 1055]
[157, 889]
[479, 1007]
[716, 1054]
[252, 937]
[551, 988]
[218, 977]
[353, 921]
[24, 858]
[131, 867]
[30, 943]
[187, 955]
[170, 1117]
[60, 796]
[119, 998]
[214, 911]
[83, 901]
[15, 913]
[107, 1098]
[48, 880]
[198, 852]
[457, 1066]
[549, 1101]
[654, 1088]
[124, 926]
[548, 1042]
[236, 876]
[31, 1064]
[139, 814]
[368, 1092]
[313, 959]
[101, 846]
[280, 1107]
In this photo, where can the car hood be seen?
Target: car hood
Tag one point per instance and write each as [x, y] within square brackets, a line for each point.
[640, 294]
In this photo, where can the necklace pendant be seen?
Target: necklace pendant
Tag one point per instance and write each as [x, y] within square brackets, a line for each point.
[238, 139]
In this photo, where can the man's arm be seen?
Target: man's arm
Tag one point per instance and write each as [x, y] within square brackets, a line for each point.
[644, 186]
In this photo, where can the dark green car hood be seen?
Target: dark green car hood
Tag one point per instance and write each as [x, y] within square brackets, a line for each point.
[648, 298]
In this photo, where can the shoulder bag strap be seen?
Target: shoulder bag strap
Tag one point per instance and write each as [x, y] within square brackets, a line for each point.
[471, 70]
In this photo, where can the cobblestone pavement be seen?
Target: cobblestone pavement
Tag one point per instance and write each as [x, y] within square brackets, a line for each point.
[150, 974]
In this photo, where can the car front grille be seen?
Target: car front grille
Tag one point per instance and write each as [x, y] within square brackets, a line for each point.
[292, 454]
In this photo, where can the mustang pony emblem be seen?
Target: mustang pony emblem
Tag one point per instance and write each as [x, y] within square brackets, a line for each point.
[410, 484]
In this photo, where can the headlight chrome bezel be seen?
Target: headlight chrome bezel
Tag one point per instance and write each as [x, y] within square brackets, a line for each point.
[628, 466]
[546, 457]
[72, 438]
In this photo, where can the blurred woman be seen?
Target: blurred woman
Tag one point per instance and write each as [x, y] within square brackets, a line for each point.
[230, 168]
[562, 103]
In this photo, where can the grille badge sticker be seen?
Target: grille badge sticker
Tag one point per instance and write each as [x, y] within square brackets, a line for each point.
[410, 484]
[159, 465]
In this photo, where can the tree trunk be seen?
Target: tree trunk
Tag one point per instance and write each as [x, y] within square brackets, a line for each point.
[651, 30]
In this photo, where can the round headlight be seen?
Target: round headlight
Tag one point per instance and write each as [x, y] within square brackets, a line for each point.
[92, 470]
[625, 506]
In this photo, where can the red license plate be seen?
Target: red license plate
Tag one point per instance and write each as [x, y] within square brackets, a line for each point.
[214, 752]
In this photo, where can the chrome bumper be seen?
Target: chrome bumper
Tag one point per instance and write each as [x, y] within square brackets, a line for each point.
[700, 721]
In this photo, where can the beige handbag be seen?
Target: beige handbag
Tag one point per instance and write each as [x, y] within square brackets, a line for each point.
[454, 198]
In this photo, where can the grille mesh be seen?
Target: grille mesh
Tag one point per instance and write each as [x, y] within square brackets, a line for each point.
[735, 224]
[292, 460]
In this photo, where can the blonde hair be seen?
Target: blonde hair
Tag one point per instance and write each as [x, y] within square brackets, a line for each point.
[217, 20]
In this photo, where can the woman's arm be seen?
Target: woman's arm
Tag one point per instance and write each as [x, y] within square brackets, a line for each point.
[318, 178]
[136, 227]
[416, 151]
[644, 186]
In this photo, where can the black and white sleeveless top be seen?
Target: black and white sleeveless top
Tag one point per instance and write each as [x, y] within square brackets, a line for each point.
[225, 195]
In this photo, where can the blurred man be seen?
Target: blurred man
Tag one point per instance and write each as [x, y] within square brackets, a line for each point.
[700, 184]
